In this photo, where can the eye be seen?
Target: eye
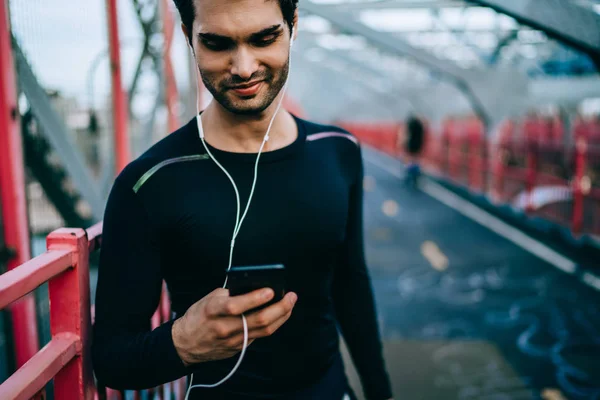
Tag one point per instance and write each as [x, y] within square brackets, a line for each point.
[266, 41]
[216, 45]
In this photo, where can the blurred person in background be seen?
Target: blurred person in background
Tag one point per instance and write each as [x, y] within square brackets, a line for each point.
[171, 213]
[411, 144]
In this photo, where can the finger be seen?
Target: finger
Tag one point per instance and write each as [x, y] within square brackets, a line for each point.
[236, 305]
[271, 329]
[267, 316]
[211, 301]
[226, 327]
[219, 292]
[237, 328]
[237, 342]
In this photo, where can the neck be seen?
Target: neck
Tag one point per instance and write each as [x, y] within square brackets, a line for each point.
[245, 133]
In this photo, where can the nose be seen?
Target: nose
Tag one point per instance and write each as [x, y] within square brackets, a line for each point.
[243, 64]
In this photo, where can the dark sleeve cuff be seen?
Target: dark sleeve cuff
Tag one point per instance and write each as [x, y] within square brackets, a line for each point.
[380, 394]
[378, 387]
[172, 361]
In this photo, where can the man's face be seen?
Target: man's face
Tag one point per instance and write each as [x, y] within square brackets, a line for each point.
[242, 49]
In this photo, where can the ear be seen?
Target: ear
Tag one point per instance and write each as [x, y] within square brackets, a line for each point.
[295, 25]
[187, 34]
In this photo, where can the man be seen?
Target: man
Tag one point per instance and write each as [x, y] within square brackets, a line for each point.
[413, 146]
[170, 217]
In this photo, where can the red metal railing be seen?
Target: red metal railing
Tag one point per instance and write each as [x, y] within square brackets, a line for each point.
[119, 97]
[12, 193]
[171, 94]
[66, 358]
[65, 266]
[531, 164]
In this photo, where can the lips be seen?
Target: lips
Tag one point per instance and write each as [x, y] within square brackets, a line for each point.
[247, 90]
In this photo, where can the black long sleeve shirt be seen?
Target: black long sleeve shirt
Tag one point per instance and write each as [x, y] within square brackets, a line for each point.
[170, 216]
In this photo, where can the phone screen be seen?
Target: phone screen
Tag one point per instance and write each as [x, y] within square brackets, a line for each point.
[245, 279]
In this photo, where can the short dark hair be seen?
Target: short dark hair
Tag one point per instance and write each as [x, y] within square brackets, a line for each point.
[188, 13]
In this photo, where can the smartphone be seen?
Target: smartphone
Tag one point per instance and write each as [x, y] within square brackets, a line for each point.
[245, 279]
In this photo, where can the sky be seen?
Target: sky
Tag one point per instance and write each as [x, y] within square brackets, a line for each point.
[63, 39]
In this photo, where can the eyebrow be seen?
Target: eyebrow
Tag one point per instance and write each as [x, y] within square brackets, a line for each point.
[254, 36]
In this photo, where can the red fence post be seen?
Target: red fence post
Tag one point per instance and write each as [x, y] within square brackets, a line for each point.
[120, 109]
[457, 164]
[452, 139]
[532, 136]
[476, 155]
[70, 313]
[12, 194]
[444, 148]
[502, 155]
[170, 83]
[494, 167]
[580, 156]
[531, 176]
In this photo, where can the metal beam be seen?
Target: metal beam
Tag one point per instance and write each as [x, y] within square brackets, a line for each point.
[460, 37]
[501, 45]
[120, 116]
[341, 84]
[397, 90]
[480, 86]
[435, 101]
[398, 4]
[309, 42]
[13, 202]
[150, 26]
[563, 90]
[386, 42]
[564, 20]
[56, 133]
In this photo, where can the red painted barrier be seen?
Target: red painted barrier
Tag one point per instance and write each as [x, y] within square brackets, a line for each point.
[66, 358]
[578, 184]
[529, 165]
[171, 95]
[477, 155]
[119, 97]
[12, 194]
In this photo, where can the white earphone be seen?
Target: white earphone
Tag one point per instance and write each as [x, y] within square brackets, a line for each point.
[239, 221]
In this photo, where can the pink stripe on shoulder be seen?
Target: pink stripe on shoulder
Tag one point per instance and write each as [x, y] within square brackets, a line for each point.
[323, 135]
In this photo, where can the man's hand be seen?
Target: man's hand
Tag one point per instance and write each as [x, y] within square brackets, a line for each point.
[212, 329]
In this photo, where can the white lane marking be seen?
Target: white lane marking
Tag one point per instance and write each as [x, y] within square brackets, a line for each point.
[591, 280]
[492, 223]
[434, 255]
[369, 183]
[501, 228]
[390, 208]
[552, 394]
[397, 172]
[382, 234]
